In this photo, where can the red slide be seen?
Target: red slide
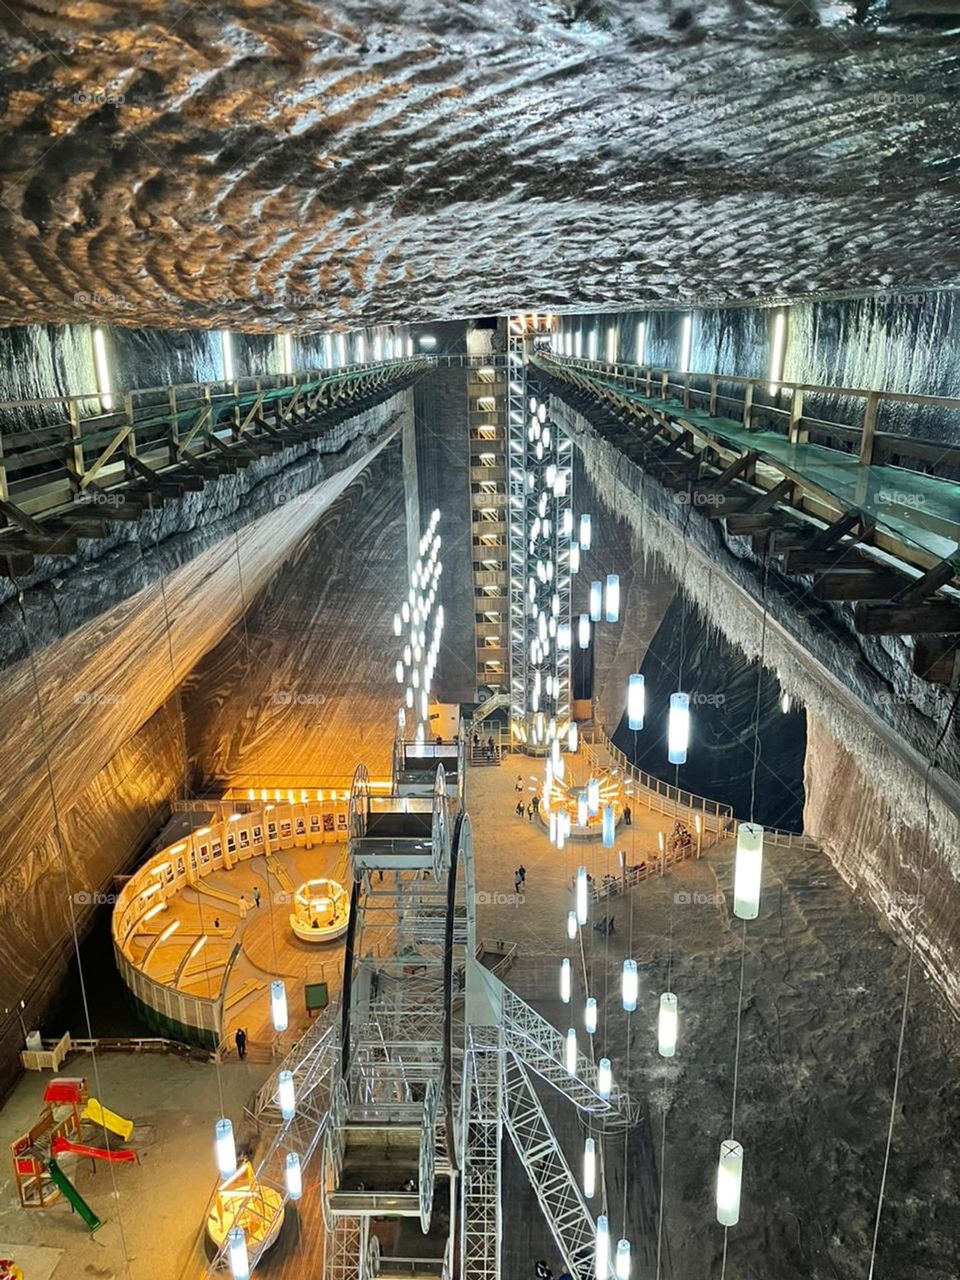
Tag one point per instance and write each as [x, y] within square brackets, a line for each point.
[60, 1145]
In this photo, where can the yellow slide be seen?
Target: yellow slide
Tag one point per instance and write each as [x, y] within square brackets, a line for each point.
[109, 1119]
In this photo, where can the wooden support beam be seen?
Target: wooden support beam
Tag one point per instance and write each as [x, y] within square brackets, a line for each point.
[840, 528]
[857, 584]
[20, 518]
[770, 499]
[939, 617]
[937, 659]
[742, 466]
[750, 521]
[804, 560]
[927, 585]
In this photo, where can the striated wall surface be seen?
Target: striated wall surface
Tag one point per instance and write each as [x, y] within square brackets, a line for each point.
[267, 165]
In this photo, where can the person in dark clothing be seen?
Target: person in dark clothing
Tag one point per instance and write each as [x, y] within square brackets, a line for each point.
[519, 808]
[522, 873]
[256, 894]
[240, 1039]
[536, 804]
[530, 810]
[627, 814]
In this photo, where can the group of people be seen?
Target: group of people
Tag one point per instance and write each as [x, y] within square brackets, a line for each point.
[605, 925]
[543, 1272]
[681, 839]
[488, 748]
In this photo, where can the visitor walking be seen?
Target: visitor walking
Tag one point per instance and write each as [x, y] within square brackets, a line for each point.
[530, 810]
[518, 785]
[240, 1039]
[522, 873]
[256, 894]
[244, 906]
[536, 805]
[627, 814]
[490, 747]
[517, 882]
[216, 922]
[519, 808]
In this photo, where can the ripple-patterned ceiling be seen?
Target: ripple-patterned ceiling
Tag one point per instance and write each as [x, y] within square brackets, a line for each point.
[265, 165]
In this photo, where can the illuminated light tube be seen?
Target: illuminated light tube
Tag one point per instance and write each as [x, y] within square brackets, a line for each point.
[573, 733]
[636, 701]
[777, 345]
[278, 1005]
[590, 1016]
[585, 533]
[409, 697]
[566, 524]
[565, 981]
[593, 796]
[592, 345]
[596, 589]
[604, 1078]
[574, 557]
[601, 1253]
[621, 1266]
[729, 1181]
[629, 985]
[785, 703]
[581, 895]
[641, 340]
[686, 341]
[237, 1254]
[286, 353]
[226, 1148]
[589, 1168]
[102, 368]
[748, 871]
[612, 600]
[398, 670]
[611, 345]
[226, 346]
[582, 811]
[286, 1095]
[583, 631]
[405, 611]
[571, 925]
[667, 1025]
[293, 1176]
[678, 728]
[397, 624]
[570, 1052]
[609, 826]
[553, 827]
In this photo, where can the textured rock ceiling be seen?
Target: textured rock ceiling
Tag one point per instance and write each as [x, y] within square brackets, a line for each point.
[261, 165]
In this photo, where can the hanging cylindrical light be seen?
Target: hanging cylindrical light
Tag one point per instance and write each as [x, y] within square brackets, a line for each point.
[589, 1168]
[237, 1254]
[582, 810]
[621, 1266]
[278, 1005]
[604, 1078]
[609, 826]
[573, 734]
[226, 1148]
[601, 1254]
[583, 631]
[398, 670]
[748, 871]
[570, 1052]
[729, 1180]
[293, 1176]
[590, 1016]
[397, 624]
[574, 557]
[667, 1025]
[785, 703]
[593, 796]
[612, 598]
[629, 985]
[636, 701]
[565, 981]
[581, 895]
[678, 728]
[286, 1095]
[571, 925]
[585, 532]
[552, 826]
[596, 600]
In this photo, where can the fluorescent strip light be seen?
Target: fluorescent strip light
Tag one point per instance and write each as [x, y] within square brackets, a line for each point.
[226, 345]
[777, 350]
[641, 340]
[102, 368]
[686, 338]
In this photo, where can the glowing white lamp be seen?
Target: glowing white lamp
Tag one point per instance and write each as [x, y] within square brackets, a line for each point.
[785, 703]
[574, 557]
[397, 624]
[585, 533]
[667, 1025]
[748, 870]
[293, 1176]
[636, 701]
[582, 813]
[398, 671]
[601, 1254]
[553, 827]
[593, 796]
[286, 1094]
[237, 1254]
[583, 631]
[570, 1052]
[590, 1016]
[629, 985]
[589, 1168]
[278, 1005]
[604, 1078]
[573, 735]
[621, 1265]
[581, 895]
[596, 600]
[565, 980]
[226, 1149]
[571, 925]
[612, 598]
[609, 826]
[678, 728]
[729, 1179]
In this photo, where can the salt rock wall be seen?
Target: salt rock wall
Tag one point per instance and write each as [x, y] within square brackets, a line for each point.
[265, 166]
[906, 867]
[302, 688]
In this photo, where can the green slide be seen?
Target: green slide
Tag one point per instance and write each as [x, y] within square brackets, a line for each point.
[61, 1181]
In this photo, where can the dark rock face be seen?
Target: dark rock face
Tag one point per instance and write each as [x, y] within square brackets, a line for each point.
[262, 166]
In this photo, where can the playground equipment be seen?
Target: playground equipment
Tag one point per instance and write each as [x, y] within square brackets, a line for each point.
[38, 1176]
[321, 911]
[243, 1201]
